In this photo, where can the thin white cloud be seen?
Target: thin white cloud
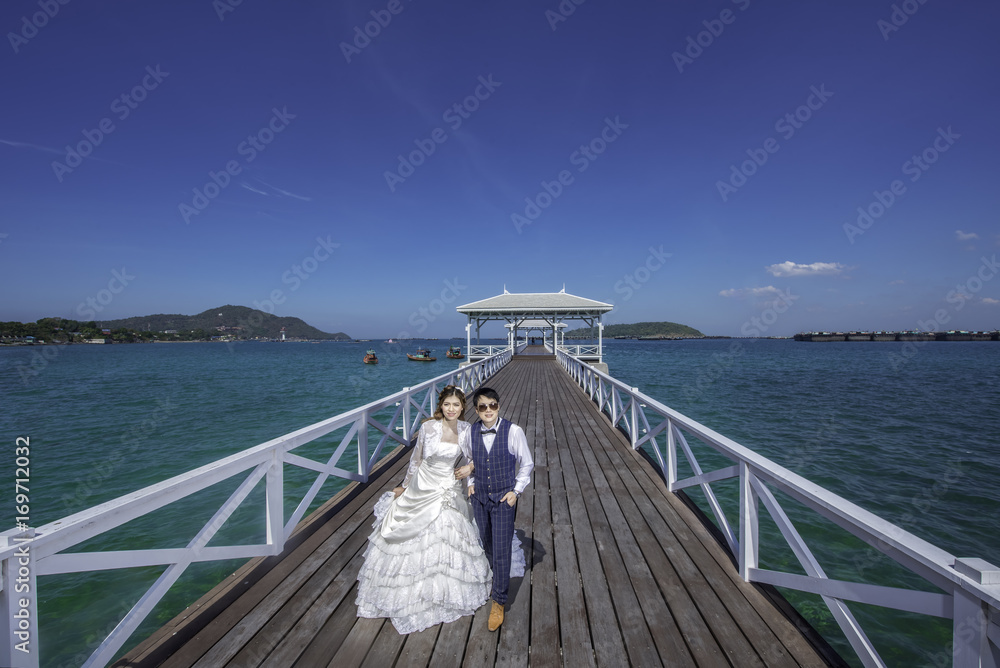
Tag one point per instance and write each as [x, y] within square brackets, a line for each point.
[21, 144]
[273, 189]
[750, 292]
[252, 189]
[46, 149]
[991, 301]
[288, 194]
[815, 269]
[965, 236]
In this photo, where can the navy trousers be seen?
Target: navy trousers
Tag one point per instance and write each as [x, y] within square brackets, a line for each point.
[496, 530]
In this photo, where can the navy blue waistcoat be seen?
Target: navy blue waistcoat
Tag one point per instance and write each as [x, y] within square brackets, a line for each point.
[496, 470]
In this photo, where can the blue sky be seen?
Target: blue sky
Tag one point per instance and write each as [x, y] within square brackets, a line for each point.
[698, 162]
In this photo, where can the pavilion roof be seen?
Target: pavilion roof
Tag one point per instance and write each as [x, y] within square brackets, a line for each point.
[535, 305]
[536, 324]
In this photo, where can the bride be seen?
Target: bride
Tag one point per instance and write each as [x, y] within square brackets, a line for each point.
[424, 564]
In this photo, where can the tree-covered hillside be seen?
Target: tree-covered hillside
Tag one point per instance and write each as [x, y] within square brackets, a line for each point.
[251, 323]
[228, 322]
[639, 330]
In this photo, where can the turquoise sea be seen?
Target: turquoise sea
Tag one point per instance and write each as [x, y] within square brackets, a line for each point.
[912, 435]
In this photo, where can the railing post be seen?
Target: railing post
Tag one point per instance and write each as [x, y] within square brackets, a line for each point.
[970, 630]
[749, 506]
[275, 502]
[363, 447]
[671, 472]
[19, 647]
[406, 415]
[634, 418]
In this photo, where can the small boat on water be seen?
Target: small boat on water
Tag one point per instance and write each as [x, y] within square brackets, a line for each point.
[370, 357]
[455, 353]
[422, 355]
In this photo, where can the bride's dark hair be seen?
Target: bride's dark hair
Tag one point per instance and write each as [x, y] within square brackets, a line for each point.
[448, 391]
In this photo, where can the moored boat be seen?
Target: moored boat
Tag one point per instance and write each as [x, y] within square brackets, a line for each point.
[455, 353]
[422, 355]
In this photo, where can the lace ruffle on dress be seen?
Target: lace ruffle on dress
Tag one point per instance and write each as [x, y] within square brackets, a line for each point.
[424, 564]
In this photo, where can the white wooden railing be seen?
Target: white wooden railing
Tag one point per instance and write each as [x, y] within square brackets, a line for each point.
[30, 553]
[477, 350]
[581, 350]
[971, 587]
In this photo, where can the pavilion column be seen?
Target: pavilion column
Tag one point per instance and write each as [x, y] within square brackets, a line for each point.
[600, 339]
[468, 338]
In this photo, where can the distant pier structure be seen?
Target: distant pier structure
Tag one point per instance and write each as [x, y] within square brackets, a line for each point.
[542, 312]
[913, 335]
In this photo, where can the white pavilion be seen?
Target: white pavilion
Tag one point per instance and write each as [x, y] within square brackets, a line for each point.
[542, 312]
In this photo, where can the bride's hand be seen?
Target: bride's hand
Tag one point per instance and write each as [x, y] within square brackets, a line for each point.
[398, 490]
[463, 472]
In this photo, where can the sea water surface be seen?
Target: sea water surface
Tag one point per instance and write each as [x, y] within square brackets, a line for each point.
[912, 435]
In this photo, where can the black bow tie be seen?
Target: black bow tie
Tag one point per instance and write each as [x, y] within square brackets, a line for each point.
[489, 431]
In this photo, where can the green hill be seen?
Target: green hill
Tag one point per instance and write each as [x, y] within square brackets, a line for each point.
[639, 330]
[252, 324]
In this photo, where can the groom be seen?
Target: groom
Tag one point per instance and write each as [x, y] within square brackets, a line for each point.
[502, 470]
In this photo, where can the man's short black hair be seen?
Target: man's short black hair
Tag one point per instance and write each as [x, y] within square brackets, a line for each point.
[487, 392]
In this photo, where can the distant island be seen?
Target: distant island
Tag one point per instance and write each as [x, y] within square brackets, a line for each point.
[225, 323]
[639, 330]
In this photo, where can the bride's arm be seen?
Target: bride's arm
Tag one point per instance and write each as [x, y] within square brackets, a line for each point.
[465, 445]
[415, 458]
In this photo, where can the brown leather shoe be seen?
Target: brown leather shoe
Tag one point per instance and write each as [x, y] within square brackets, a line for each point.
[496, 617]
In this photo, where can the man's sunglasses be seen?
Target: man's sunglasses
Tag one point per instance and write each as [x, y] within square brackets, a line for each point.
[491, 406]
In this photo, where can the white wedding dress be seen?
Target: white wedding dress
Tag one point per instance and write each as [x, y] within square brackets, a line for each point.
[424, 564]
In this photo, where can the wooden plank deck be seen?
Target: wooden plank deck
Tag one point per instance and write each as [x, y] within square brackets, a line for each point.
[622, 572]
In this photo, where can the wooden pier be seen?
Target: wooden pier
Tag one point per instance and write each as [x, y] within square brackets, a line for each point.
[621, 571]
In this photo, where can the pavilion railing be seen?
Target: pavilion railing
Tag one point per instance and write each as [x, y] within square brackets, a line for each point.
[971, 587]
[29, 553]
[477, 350]
[581, 350]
